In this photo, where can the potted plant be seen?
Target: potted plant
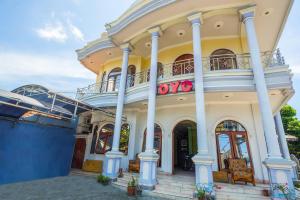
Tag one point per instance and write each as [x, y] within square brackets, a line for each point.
[104, 180]
[131, 187]
[200, 193]
[203, 194]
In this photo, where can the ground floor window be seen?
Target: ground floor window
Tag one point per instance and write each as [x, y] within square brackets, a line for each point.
[157, 141]
[232, 142]
[124, 138]
[105, 138]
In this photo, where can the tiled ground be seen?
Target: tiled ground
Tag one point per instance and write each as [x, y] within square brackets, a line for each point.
[63, 188]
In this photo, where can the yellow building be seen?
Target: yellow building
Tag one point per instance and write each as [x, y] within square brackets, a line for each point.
[195, 86]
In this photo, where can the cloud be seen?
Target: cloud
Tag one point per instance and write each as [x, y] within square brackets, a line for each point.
[54, 32]
[62, 73]
[295, 69]
[60, 28]
[76, 32]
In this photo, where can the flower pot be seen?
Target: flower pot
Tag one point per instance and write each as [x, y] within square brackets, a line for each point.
[131, 190]
[201, 198]
[266, 193]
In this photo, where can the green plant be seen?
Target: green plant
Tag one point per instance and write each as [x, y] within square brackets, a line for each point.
[132, 182]
[200, 192]
[204, 192]
[104, 180]
[283, 189]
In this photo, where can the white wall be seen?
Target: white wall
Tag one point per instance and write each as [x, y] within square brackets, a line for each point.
[246, 114]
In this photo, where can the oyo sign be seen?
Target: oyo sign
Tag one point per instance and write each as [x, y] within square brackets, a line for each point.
[175, 87]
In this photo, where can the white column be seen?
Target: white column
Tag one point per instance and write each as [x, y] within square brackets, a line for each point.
[281, 136]
[149, 158]
[261, 88]
[199, 87]
[203, 161]
[120, 102]
[152, 91]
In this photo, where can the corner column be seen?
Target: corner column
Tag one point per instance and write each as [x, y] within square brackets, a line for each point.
[279, 168]
[113, 158]
[203, 161]
[149, 158]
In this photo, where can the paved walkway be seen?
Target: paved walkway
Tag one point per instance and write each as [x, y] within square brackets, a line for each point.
[63, 188]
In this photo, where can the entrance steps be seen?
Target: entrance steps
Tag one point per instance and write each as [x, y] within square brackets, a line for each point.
[183, 187]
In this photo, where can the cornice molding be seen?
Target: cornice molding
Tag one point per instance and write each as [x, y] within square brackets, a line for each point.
[118, 25]
[94, 46]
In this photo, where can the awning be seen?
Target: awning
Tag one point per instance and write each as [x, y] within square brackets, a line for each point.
[40, 99]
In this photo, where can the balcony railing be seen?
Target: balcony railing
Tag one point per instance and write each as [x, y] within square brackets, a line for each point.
[184, 68]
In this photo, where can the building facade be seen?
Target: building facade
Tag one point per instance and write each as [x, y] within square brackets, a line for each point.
[192, 84]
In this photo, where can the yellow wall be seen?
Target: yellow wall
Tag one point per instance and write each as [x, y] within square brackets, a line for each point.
[168, 55]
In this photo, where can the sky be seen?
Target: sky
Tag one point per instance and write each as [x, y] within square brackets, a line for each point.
[38, 40]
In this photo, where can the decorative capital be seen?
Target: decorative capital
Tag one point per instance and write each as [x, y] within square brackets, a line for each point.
[196, 18]
[247, 13]
[126, 47]
[155, 31]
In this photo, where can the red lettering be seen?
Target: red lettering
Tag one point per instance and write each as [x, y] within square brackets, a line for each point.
[174, 86]
[163, 89]
[186, 86]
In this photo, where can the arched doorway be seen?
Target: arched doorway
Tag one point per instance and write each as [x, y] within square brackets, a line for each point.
[157, 142]
[222, 59]
[184, 146]
[183, 64]
[232, 142]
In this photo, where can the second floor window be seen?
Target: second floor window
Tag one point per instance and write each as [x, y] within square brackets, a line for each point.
[113, 80]
[184, 64]
[222, 59]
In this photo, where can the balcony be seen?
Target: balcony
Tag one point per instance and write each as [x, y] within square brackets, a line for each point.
[219, 71]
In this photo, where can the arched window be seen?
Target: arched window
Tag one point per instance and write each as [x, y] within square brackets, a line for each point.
[184, 64]
[94, 139]
[222, 59]
[114, 80]
[232, 142]
[131, 75]
[157, 142]
[124, 138]
[105, 138]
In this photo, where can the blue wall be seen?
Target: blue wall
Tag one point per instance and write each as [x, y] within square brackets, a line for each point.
[34, 150]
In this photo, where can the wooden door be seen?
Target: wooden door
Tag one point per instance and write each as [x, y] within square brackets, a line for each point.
[78, 155]
[232, 144]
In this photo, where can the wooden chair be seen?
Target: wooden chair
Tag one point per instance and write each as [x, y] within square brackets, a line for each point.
[240, 172]
[134, 165]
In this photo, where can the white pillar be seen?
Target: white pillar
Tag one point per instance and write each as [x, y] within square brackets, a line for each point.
[261, 87]
[279, 169]
[199, 87]
[121, 95]
[113, 158]
[149, 158]
[203, 161]
[152, 92]
[281, 136]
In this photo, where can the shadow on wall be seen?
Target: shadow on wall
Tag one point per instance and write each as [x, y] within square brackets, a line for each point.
[35, 149]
